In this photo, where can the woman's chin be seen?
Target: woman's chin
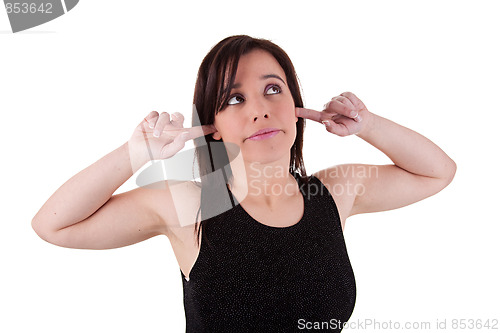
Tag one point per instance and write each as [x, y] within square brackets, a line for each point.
[266, 155]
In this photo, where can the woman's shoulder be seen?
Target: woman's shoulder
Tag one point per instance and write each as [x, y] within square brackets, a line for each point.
[340, 174]
[340, 182]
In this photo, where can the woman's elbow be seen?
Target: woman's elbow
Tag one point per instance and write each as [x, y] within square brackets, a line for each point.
[449, 172]
[452, 170]
[42, 231]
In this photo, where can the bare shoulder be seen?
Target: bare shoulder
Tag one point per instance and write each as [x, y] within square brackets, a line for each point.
[364, 188]
[341, 182]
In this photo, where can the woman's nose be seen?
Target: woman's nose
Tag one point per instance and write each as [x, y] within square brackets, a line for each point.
[257, 117]
[260, 110]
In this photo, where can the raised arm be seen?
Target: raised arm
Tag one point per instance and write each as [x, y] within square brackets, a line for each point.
[84, 213]
[420, 167]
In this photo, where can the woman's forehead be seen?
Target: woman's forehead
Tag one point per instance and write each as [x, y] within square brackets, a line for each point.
[259, 64]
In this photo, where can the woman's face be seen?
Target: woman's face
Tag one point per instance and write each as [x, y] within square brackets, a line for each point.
[260, 100]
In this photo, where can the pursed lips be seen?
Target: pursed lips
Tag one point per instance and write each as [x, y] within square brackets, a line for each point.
[264, 133]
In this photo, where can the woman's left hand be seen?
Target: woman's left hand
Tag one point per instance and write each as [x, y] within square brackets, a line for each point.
[343, 115]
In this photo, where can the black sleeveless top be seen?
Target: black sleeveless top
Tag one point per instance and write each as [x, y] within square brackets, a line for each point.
[251, 277]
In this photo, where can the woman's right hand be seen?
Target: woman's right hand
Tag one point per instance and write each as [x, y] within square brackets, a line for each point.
[161, 136]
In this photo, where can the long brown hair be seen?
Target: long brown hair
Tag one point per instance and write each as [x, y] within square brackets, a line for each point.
[212, 91]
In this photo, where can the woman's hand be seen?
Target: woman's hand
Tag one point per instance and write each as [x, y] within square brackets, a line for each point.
[343, 115]
[161, 136]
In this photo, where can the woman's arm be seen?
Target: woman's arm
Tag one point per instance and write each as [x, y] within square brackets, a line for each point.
[84, 213]
[420, 167]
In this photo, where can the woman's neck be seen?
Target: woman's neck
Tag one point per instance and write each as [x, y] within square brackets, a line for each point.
[263, 183]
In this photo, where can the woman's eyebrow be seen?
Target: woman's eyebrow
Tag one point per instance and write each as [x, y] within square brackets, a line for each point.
[267, 76]
[263, 77]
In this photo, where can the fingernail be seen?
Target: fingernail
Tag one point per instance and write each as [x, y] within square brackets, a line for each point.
[354, 114]
[174, 116]
[156, 134]
[326, 122]
[151, 125]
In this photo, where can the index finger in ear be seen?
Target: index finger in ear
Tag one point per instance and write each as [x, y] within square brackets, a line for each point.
[308, 114]
[197, 131]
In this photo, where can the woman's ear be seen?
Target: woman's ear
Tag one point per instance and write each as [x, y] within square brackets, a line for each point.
[216, 136]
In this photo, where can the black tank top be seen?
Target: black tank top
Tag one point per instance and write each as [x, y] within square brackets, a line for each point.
[250, 277]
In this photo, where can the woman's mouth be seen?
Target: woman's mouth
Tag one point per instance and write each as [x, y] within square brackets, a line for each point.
[263, 134]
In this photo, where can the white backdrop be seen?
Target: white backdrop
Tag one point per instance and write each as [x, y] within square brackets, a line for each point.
[73, 90]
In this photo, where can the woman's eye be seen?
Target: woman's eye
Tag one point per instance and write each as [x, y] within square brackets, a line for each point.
[274, 89]
[235, 100]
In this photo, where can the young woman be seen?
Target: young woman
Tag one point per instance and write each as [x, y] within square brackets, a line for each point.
[259, 243]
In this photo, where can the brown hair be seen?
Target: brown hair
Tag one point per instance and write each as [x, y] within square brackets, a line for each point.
[212, 91]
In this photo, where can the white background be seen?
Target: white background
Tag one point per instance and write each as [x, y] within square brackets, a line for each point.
[73, 89]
